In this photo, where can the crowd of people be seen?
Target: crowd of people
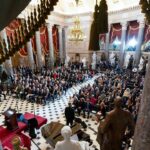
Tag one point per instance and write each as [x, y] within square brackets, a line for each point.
[98, 99]
[100, 96]
[47, 85]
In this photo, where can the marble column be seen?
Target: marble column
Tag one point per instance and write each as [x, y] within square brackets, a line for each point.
[64, 42]
[51, 45]
[30, 55]
[39, 49]
[61, 54]
[139, 42]
[123, 40]
[8, 62]
[141, 139]
[107, 42]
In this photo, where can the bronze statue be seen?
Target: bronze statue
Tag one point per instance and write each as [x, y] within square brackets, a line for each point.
[16, 144]
[111, 131]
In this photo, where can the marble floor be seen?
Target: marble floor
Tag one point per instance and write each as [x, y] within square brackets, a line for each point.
[53, 112]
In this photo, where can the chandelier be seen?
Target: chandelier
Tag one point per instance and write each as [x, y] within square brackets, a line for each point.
[76, 33]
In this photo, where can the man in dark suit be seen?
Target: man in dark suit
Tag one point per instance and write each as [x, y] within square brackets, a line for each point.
[111, 132]
[69, 114]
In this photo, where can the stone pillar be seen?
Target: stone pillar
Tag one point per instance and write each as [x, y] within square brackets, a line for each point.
[8, 62]
[107, 42]
[30, 55]
[39, 49]
[139, 42]
[123, 40]
[64, 35]
[141, 139]
[51, 45]
[61, 54]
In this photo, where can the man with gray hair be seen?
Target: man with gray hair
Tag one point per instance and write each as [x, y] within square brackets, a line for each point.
[111, 132]
[67, 143]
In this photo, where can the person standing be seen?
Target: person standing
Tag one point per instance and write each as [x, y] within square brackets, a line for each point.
[131, 63]
[69, 114]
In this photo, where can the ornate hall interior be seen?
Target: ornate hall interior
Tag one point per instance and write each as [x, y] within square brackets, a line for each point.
[74, 74]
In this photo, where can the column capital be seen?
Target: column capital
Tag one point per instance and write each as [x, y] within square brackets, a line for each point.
[60, 28]
[49, 26]
[124, 25]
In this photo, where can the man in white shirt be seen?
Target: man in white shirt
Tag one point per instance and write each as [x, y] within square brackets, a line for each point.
[67, 143]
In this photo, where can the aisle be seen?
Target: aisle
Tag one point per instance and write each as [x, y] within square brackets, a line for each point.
[52, 111]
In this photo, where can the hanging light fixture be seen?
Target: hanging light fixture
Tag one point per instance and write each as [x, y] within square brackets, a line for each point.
[76, 33]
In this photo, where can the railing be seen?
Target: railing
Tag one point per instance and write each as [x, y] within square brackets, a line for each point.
[26, 30]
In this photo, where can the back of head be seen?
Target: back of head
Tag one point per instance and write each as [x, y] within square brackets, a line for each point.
[117, 102]
[66, 132]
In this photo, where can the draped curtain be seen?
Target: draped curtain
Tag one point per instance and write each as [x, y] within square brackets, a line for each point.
[147, 33]
[116, 32]
[146, 39]
[115, 36]
[56, 42]
[133, 30]
[44, 39]
[10, 31]
[132, 35]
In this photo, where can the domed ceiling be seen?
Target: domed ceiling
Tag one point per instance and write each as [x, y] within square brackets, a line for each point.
[69, 6]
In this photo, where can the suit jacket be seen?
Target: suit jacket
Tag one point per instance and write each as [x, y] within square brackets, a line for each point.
[69, 113]
[68, 145]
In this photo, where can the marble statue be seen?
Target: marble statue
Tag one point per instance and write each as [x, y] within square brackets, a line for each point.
[112, 58]
[126, 59]
[141, 63]
[84, 62]
[68, 144]
[67, 60]
[94, 61]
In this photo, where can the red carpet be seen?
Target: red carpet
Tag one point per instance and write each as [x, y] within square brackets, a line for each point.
[41, 121]
[6, 137]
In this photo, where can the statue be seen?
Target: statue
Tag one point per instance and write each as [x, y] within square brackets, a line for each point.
[112, 59]
[111, 131]
[94, 61]
[141, 63]
[126, 59]
[144, 65]
[84, 62]
[67, 60]
[68, 144]
[16, 144]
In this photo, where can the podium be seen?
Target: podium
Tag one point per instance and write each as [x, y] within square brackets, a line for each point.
[11, 119]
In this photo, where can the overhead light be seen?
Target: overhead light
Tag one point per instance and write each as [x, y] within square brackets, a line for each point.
[76, 33]
[132, 42]
[117, 41]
